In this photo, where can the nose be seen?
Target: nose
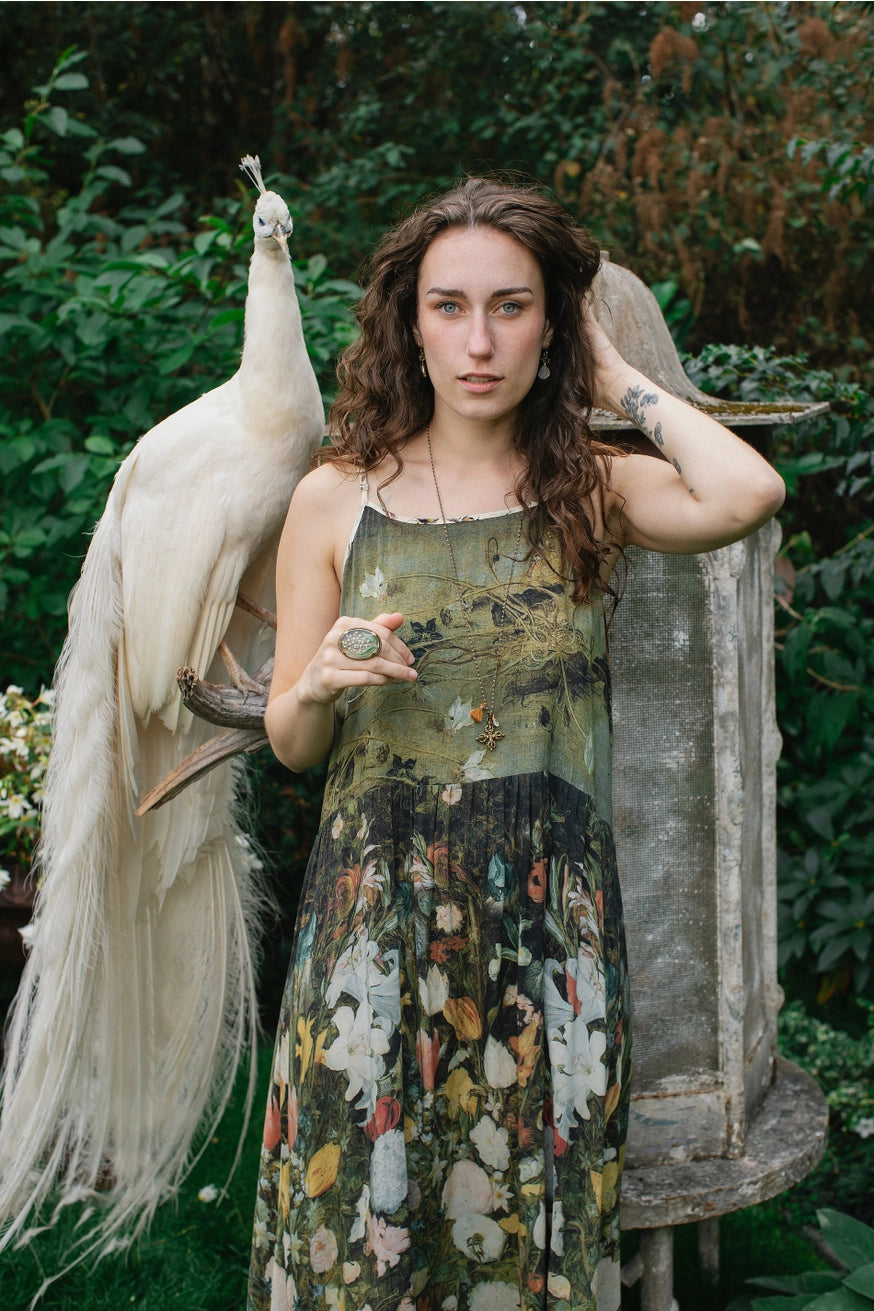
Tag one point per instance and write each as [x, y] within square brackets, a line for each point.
[479, 341]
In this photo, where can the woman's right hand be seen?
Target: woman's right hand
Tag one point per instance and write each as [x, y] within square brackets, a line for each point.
[330, 672]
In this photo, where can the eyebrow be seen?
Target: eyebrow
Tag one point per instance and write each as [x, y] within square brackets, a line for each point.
[502, 291]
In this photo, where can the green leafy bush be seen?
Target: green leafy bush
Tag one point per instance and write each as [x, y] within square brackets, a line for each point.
[851, 1289]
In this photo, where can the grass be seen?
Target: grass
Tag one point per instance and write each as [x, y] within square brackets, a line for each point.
[195, 1257]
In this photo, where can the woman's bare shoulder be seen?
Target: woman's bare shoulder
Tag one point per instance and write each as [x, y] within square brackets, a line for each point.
[322, 515]
[324, 484]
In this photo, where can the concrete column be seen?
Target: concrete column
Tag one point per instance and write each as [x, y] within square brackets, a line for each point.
[657, 1287]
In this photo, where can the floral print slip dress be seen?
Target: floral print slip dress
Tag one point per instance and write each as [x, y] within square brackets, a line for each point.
[448, 1104]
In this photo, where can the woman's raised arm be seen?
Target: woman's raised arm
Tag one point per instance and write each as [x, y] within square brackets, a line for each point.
[712, 490]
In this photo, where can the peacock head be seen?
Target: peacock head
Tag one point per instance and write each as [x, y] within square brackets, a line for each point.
[272, 219]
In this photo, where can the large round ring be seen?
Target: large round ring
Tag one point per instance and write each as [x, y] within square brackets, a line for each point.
[360, 643]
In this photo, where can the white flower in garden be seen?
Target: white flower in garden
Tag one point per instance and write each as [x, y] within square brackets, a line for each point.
[585, 981]
[373, 877]
[26, 935]
[17, 806]
[494, 1297]
[492, 1143]
[468, 1190]
[357, 1051]
[388, 1171]
[500, 1064]
[281, 1060]
[479, 1237]
[458, 715]
[865, 1127]
[5, 878]
[208, 1193]
[578, 1073]
[451, 794]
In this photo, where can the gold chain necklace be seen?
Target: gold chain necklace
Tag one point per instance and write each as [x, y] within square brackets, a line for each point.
[491, 734]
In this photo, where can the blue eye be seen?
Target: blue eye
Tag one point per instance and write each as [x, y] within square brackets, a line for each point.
[510, 307]
[447, 307]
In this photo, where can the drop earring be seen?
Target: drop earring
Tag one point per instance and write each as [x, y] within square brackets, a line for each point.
[422, 365]
[543, 371]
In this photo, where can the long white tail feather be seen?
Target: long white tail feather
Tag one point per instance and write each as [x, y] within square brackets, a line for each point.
[137, 1001]
[103, 1064]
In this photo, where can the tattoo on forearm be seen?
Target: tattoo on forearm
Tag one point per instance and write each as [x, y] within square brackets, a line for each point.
[634, 403]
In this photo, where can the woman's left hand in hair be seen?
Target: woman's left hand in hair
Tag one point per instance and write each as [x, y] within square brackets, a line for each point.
[709, 489]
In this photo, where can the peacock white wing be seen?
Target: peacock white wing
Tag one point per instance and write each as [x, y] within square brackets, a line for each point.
[137, 1000]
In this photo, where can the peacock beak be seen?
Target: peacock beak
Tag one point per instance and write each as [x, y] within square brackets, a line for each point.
[280, 236]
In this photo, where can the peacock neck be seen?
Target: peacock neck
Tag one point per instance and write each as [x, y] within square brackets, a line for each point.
[274, 370]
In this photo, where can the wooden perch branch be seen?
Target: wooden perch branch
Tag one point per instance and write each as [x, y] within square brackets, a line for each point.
[237, 709]
[223, 746]
[219, 703]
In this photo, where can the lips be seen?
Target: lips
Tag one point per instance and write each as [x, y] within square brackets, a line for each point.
[479, 382]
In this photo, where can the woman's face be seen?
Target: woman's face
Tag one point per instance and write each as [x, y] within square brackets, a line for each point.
[481, 322]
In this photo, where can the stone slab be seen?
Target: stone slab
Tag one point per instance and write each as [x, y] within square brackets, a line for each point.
[784, 1141]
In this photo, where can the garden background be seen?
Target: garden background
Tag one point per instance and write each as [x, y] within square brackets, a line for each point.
[724, 152]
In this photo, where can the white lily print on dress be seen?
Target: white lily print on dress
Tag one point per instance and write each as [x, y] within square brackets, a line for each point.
[578, 1072]
[357, 1052]
[357, 975]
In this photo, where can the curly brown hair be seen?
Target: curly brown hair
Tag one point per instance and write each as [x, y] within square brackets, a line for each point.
[384, 399]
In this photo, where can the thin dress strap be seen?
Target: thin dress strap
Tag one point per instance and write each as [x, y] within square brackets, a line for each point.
[365, 493]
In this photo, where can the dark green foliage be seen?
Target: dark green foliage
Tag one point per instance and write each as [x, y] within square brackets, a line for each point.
[842, 1064]
[663, 126]
[850, 1289]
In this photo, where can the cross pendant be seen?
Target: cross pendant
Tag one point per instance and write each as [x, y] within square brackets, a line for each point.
[492, 735]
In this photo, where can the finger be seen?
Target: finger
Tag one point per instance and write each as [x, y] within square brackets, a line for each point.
[392, 621]
[392, 648]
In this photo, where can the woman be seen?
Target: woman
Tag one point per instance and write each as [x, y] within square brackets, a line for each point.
[448, 1106]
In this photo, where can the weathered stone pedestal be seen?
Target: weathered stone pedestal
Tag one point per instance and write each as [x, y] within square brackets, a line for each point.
[718, 1122]
[784, 1140]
